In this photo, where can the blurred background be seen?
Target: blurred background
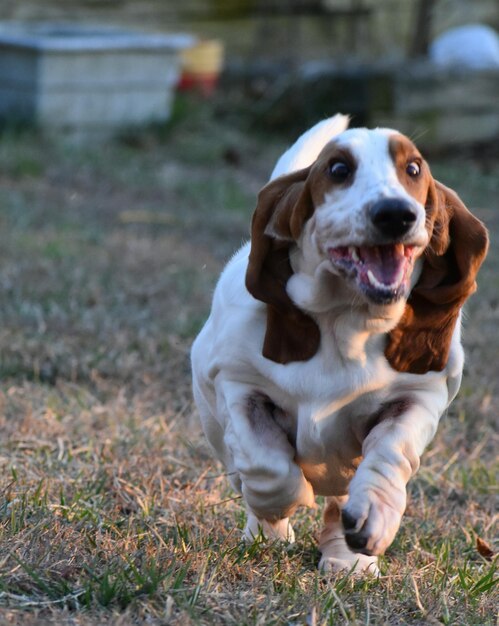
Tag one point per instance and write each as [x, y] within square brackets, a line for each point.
[427, 67]
[279, 29]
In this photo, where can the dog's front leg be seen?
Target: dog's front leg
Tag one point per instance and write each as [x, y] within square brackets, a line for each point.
[272, 484]
[336, 556]
[391, 450]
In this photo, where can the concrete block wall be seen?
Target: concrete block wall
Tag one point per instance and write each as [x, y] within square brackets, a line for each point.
[75, 78]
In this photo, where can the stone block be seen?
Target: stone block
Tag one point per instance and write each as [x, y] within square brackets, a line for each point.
[77, 78]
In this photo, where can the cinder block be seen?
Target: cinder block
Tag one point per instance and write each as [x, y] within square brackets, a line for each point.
[79, 77]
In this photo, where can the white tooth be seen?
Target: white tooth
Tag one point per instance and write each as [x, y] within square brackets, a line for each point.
[379, 285]
[353, 253]
[374, 281]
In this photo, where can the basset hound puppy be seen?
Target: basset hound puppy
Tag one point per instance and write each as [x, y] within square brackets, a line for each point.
[333, 345]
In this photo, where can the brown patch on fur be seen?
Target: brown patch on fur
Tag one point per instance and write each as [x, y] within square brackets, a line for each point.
[403, 152]
[332, 512]
[284, 206]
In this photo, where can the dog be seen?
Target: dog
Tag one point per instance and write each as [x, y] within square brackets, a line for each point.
[333, 345]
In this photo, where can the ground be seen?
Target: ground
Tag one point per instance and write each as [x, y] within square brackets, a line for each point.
[113, 510]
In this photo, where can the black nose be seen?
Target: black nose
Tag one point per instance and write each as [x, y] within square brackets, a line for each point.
[393, 217]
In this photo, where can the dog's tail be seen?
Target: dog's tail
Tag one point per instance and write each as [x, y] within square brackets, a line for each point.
[307, 148]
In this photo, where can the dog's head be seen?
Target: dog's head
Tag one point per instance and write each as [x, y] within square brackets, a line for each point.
[368, 207]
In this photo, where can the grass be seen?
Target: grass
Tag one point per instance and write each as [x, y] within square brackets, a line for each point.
[112, 509]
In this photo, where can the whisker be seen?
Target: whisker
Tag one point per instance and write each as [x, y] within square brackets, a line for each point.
[417, 134]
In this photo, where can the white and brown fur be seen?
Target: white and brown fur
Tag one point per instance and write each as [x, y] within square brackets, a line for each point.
[310, 378]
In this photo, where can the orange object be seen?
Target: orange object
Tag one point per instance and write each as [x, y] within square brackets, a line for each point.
[201, 65]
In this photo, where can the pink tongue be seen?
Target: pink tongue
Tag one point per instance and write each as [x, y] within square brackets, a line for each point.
[384, 262]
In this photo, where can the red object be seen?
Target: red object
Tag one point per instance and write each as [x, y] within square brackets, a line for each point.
[204, 83]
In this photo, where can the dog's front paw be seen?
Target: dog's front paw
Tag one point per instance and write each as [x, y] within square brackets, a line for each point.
[371, 520]
[357, 564]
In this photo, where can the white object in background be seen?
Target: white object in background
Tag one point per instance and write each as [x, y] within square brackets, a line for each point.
[473, 46]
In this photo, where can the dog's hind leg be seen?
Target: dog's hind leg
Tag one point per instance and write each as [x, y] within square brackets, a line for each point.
[279, 531]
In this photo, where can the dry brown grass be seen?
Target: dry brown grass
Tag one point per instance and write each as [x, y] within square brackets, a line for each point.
[112, 510]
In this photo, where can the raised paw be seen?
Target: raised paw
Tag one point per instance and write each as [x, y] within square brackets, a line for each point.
[371, 522]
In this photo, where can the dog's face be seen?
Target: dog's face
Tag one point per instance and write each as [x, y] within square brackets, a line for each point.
[368, 207]
[369, 190]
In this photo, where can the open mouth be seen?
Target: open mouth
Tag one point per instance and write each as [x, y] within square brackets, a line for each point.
[381, 272]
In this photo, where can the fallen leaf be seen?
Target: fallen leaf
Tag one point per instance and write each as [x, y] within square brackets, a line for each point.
[484, 549]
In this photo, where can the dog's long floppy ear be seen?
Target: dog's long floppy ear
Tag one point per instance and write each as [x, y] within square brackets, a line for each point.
[458, 245]
[284, 205]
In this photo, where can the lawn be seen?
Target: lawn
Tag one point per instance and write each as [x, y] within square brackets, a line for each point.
[112, 510]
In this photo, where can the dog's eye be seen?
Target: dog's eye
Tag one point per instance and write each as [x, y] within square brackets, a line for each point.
[339, 171]
[413, 169]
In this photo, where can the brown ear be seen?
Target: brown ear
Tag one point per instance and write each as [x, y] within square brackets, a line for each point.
[459, 241]
[284, 205]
